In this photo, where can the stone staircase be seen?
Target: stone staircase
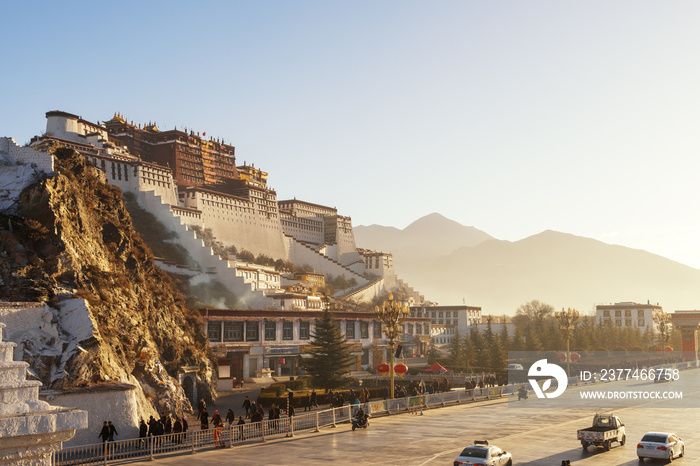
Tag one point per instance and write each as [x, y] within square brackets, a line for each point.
[30, 429]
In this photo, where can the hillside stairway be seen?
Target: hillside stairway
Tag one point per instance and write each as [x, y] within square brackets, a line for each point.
[331, 265]
[209, 263]
[30, 429]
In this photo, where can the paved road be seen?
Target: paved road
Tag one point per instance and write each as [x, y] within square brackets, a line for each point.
[541, 436]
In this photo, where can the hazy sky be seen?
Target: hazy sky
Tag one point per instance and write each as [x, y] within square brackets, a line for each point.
[514, 117]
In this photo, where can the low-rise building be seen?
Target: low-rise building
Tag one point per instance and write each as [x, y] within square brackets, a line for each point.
[629, 314]
[247, 342]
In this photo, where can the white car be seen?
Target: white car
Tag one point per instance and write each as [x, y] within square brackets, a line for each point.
[483, 454]
[660, 445]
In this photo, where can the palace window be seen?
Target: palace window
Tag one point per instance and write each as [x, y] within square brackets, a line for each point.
[233, 331]
[270, 330]
[377, 329]
[287, 330]
[350, 329]
[364, 329]
[304, 327]
[214, 331]
[252, 331]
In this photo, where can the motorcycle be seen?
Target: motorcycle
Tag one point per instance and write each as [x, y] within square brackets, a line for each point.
[522, 394]
[360, 423]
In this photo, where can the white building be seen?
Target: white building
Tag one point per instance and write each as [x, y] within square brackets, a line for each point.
[629, 314]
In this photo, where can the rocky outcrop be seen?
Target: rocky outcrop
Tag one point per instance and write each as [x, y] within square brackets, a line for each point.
[74, 239]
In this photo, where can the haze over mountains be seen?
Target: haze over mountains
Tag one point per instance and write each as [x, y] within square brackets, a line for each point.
[449, 262]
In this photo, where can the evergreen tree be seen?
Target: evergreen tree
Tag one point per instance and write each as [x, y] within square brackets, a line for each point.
[468, 352]
[330, 357]
[433, 352]
[518, 343]
[456, 358]
[532, 342]
[480, 349]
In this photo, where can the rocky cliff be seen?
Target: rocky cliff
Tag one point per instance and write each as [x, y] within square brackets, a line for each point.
[73, 238]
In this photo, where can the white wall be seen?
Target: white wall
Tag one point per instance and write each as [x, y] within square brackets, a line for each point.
[116, 403]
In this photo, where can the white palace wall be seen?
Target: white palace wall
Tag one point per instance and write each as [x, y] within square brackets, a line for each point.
[237, 221]
[203, 255]
[110, 402]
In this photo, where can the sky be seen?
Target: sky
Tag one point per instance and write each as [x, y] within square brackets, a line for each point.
[512, 117]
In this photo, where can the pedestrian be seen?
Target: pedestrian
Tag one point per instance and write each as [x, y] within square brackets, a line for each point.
[201, 406]
[168, 425]
[151, 426]
[216, 419]
[143, 430]
[204, 420]
[177, 430]
[112, 431]
[104, 433]
[234, 383]
[230, 417]
[241, 423]
[314, 401]
[306, 402]
[246, 406]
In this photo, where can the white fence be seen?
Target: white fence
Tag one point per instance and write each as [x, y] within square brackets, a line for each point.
[225, 437]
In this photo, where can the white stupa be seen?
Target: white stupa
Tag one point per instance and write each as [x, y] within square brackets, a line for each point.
[30, 429]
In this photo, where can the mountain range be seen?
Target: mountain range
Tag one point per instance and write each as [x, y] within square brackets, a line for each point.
[454, 264]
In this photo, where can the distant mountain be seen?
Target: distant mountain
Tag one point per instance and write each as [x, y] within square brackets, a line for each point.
[558, 268]
[424, 239]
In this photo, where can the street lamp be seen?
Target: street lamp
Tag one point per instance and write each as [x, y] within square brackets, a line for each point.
[567, 323]
[663, 321]
[390, 315]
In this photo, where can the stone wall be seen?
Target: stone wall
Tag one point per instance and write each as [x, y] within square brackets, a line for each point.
[106, 402]
[40, 161]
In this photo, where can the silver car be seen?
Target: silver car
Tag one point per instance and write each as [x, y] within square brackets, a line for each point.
[660, 445]
[483, 454]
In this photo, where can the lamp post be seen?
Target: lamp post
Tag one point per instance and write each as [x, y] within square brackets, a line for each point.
[567, 323]
[663, 321]
[391, 314]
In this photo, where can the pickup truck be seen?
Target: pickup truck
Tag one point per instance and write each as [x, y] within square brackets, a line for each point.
[605, 430]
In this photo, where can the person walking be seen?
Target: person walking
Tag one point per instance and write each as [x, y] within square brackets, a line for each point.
[143, 431]
[177, 430]
[112, 431]
[104, 433]
[204, 420]
[230, 417]
[201, 406]
[241, 423]
[314, 400]
[246, 406]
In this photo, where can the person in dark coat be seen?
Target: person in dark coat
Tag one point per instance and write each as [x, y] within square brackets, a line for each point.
[204, 420]
[151, 426]
[314, 401]
[246, 406]
[143, 430]
[177, 429]
[168, 425]
[201, 406]
[112, 431]
[230, 417]
[104, 433]
[184, 424]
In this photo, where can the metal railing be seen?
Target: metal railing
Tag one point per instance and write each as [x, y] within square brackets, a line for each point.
[226, 437]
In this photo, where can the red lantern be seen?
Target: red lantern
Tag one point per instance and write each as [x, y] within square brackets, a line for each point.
[383, 368]
[561, 356]
[401, 369]
[281, 360]
[575, 357]
[668, 348]
[657, 349]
